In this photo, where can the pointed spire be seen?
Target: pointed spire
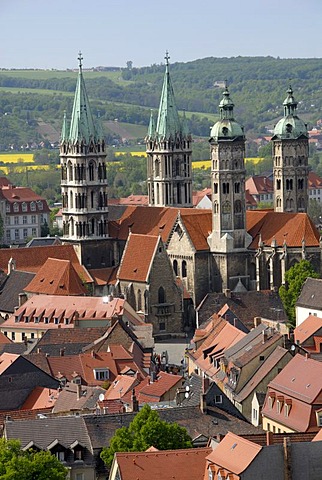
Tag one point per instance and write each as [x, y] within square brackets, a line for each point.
[82, 124]
[168, 123]
[151, 129]
[185, 128]
[99, 127]
[64, 130]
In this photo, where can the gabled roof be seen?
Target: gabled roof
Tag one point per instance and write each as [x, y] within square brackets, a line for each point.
[198, 227]
[311, 293]
[300, 379]
[234, 453]
[307, 328]
[14, 194]
[104, 276]
[259, 184]
[162, 465]
[291, 228]
[261, 373]
[138, 257]
[32, 259]
[40, 398]
[69, 399]
[314, 181]
[56, 277]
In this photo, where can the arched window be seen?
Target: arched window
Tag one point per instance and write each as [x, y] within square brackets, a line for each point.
[161, 295]
[225, 187]
[237, 187]
[175, 267]
[139, 300]
[184, 269]
[177, 167]
[157, 167]
[300, 184]
[91, 171]
[215, 188]
[278, 184]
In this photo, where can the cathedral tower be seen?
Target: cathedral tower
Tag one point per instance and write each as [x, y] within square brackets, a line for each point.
[83, 174]
[229, 239]
[168, 147]
[290, 157]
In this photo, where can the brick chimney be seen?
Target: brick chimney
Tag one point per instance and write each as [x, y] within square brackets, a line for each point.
[269, 438]
[78, 391]
[134, 402]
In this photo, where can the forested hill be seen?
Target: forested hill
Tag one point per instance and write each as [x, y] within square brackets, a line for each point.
[257, 84]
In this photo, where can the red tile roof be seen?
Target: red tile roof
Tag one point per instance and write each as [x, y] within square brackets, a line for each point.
[40, 398]
[104, 276]
[307, 328]
[56, 277]
[19, 195]
[314, 181]
[259, 184]
[234, 453]
[32, 259]
[138, 257]
[198, 226]
[288, 227]
[163, 465]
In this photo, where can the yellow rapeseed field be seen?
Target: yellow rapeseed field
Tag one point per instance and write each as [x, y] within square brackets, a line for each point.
[137, 154]
[17, 157]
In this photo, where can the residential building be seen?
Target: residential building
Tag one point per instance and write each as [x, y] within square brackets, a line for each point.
[260, 187]
[309, 302]
[293, 401]
[308, 335]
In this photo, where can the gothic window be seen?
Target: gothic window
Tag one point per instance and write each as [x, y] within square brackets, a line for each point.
[177, 167]
[278, 184]
[238, 207]
[215, 187]
[225, 187]
[70, 171]
[71, 202]
[237, 187]
[300, 184]
[161, 295]
[291, 204]
[139, 302]
[92, 199]
[157, 167]
[215, 207]
[158, 195]
[289, 184]
[91, 171]
[175, 267]
[184, 269]
[92, 224]
[278, 202]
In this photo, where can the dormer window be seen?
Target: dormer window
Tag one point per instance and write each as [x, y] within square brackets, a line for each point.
[24, 206]
[271, 400]
[101, 373]
[40, 205]
[8, 207]
[16, 207]
[32, 206]
[287, 407]
[279, 404]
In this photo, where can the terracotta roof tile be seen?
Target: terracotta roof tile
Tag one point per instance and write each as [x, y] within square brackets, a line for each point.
[137, 257]
[40, 398]
[104, 276]
[307, 328]
[163, 465]
[259, 184]
[234, 453]
[56, 277]
[199, 226]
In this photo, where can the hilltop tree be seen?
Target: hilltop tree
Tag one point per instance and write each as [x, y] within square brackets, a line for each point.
[146, 430]
[16, 464]
[294, 279]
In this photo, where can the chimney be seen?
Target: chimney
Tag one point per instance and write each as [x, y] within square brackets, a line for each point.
[134, 401]
[205, 384]
[264, 334]
[203, 403]
[62, 352]
[78, 391]
[269, 438]
[287, 458]
[93, 354]
[22, 298]
[257, 321]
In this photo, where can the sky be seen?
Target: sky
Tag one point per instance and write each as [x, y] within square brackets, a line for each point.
[49, 33]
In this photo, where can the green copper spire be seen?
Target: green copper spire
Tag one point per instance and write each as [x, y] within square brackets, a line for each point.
[99, 127]
[168, 123]
[64, 130]
[185, 128]
[151, 129]
[290, 104]
[226, 106]
[82, 125]
[226, 127]
[290, 126]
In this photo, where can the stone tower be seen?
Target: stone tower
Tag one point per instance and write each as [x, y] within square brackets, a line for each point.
[290, 157]
[168, 147]
[83, 177]
[228, 240]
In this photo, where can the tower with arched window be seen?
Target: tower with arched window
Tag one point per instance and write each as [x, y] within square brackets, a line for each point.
[168, 147]
[229, 235]
[83, 173]
[290, 160]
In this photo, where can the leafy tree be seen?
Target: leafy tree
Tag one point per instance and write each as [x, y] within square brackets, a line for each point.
[294, 279]
[146, 430]
[16, 464]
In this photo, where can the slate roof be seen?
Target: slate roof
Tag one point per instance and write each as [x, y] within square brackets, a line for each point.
[15, 283]
[234, 453]
[67, 399]
[265, 368]
[138, 257]
[43, 431]
[101, 428]
[311, 294]
[56, 277]
[44, 241]
[163, 465]
[246, 306]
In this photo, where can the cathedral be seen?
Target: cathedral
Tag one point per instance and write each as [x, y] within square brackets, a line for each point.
[165, 257]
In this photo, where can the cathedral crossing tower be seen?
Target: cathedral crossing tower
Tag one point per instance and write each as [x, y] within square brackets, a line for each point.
[168, 147]
[290, 156]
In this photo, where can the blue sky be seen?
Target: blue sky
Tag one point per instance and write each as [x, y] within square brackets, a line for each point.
[49, 33]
